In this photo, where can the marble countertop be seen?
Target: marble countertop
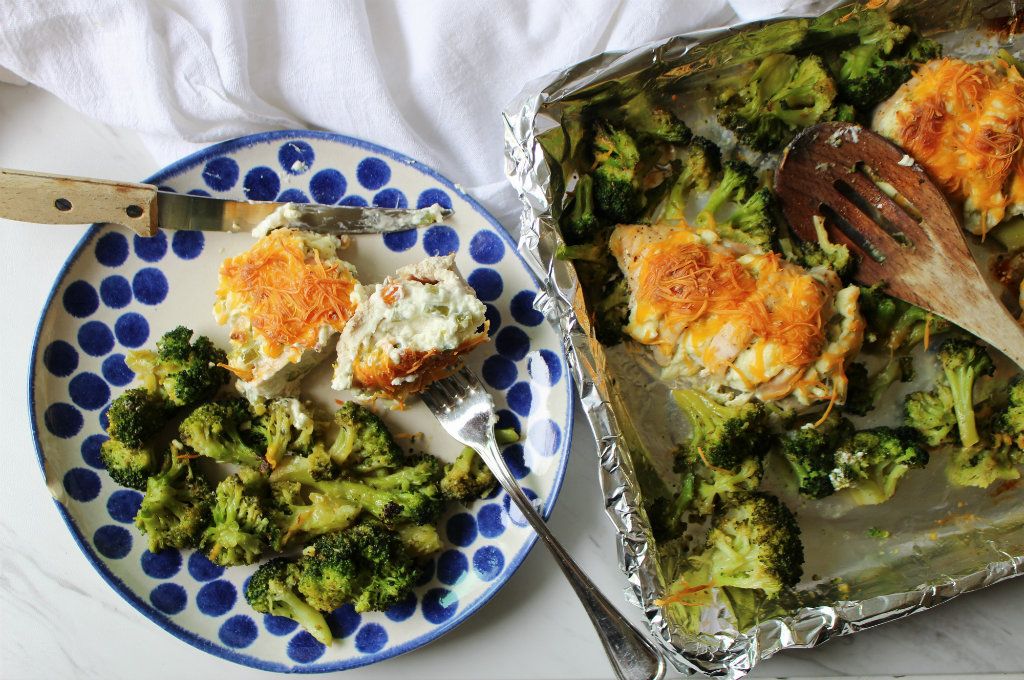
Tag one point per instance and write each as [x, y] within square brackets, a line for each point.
[58, 618]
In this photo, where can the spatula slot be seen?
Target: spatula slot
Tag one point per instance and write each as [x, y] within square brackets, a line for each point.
[877, 207]
[858, 240]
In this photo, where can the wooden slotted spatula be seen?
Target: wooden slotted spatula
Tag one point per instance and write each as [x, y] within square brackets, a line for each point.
[914, 243]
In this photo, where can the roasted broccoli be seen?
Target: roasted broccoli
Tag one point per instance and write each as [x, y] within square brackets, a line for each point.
[241, 527]
[645, 117]
[992, 459]
[753, 544]
[822, 252]
[963, 361]
[865, 390]
[884, 58]
[871, 462]
[299, 516]
[215, 430]
[896, 325]
[468, 477]
[131, 466]
[619, 172]
[363, 443]
[722, 436]
[181, 371]
[1009, 422]
[753, 223]
[611, 312]
[365, 565]
[282, 425]
[697, 171]
[579, 223]
[783, 94]
[931, 414]
[739, 182]
[175, 509]
[810, 451]
[273, 590]
[136, 415]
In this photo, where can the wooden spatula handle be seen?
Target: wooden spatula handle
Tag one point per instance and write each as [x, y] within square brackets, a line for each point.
[54, 199]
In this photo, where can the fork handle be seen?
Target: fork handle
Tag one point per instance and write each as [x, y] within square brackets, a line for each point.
[632, 654]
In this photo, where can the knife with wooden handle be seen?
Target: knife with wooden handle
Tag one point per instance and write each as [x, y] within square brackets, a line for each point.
[54, 199]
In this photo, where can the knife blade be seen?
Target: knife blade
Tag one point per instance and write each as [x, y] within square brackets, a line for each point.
[57, 199]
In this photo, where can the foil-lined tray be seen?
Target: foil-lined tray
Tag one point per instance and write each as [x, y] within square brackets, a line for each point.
[944, 542]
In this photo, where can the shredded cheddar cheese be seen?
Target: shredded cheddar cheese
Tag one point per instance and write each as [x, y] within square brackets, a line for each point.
[288, 291]
[964, 123]
[749, 320]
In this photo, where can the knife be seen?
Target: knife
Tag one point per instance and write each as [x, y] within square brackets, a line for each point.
[56, 199]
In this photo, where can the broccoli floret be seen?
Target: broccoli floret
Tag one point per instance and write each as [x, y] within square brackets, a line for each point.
[1010, 421]
[644, 117]
[667, 514]
[864, 392]
[931, 414]
[579, 223]
[753, 223]
[215, 430]
[298, 518]
[896, 325]
[364, 443]
[468, 477]
[823, 253]
[716, 487]
[810, 451]
[131, 466]
[618, 176]
[611, 312]
[722, 436]
[182, 371]
[871, 462]
[420, 540]
[753, 544]
[739, 182]
[283, 425]
[410, 492]
[241, 529]
[136, 415]
[697, 171]
[175, 509]
[365, 565]
[963, 361]
[273, 589]
[783, 94]
[884, 58]
[588, 252]
[992, 459]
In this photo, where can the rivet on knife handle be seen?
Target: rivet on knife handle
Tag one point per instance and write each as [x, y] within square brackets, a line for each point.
[55, 199]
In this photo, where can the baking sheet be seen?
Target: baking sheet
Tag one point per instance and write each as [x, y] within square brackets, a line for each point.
[945, 542]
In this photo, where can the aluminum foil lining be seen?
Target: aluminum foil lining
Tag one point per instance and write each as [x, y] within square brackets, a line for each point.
[945, 542]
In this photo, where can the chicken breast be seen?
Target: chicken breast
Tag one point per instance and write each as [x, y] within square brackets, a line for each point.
[285, 300]
[411, 330]
[738, 319]
[965, 124]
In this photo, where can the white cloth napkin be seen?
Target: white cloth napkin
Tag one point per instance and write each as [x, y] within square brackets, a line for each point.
[426, 78]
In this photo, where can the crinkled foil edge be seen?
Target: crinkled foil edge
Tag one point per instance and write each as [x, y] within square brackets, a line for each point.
[561, 302]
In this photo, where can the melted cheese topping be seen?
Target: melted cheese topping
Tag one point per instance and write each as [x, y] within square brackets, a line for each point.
[965, 124]
[287, 291]
[746, 320]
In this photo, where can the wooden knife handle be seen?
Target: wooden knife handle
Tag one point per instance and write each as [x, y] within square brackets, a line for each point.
[55, 199]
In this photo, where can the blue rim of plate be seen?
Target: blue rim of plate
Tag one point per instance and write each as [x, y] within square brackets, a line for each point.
[186, 164]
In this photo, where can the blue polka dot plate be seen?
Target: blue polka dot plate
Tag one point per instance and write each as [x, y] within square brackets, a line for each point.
[119, 292]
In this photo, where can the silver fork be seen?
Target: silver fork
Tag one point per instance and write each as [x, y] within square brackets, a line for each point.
[466, 411]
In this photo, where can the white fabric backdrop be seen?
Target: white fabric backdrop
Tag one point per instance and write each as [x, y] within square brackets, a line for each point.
[426, 78]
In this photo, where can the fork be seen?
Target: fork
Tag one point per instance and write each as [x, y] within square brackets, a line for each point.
[466, 411]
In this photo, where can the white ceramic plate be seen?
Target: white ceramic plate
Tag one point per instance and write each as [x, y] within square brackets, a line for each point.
[119, 292]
